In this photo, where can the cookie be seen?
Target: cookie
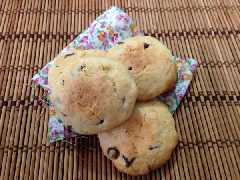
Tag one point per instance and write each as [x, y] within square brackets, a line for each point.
[91, 94]
[144, 142]
[150, 62]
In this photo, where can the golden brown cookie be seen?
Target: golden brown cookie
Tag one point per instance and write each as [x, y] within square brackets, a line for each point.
[91, 94]
[150, 62]
[142, 143]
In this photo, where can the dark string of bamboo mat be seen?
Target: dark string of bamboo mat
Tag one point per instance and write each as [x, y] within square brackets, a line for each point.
[70, 21]
[36, 68]
[92, 147]
[210, 65]
[33, 32]
[184, 34]
[201, 146]
[38, 101]
[132, 8]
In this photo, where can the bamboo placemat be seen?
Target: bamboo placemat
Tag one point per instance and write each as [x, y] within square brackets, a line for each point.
[208, 120]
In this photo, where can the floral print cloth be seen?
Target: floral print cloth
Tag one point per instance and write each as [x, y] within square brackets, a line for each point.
[112, 26]
[185, 69]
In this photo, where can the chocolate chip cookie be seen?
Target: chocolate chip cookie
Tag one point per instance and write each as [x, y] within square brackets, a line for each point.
[142, 143]
[90, 93]
[150, 62]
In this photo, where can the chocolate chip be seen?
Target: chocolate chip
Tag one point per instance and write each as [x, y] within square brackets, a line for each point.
[153, 147]
[62, 82]
[149, 168]
[69, 54]
[63, 114]
[113, 152]
[100, 122]
[120, 42]
[146, 45]
[69, 127]
[123, 99]
[130, 68]
[127, 161]
[81, 67]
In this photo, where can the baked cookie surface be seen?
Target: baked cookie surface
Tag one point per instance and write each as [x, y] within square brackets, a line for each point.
[150, 62]
[91, 94]
[142, 143]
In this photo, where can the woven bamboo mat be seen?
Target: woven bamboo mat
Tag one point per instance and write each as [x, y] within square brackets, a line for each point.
[208, 120]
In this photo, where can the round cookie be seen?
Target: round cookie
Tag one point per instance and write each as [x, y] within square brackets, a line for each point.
[150, 62]
[91, 94]
[144, 142]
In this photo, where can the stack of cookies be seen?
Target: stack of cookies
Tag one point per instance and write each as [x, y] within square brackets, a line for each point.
[113, 94]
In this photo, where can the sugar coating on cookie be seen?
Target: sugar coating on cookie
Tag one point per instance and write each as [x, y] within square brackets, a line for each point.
[142, 143]
[91, 94]
[150, 62]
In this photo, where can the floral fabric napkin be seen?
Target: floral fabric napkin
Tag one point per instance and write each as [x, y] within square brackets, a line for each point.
[112, 26]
